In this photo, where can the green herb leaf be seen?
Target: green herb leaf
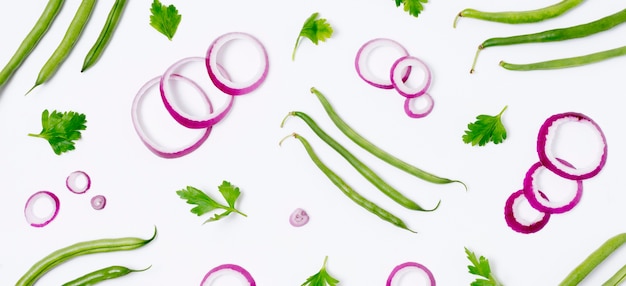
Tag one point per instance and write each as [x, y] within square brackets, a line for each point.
[229, 192]
[486, 129]
[315, 29]
[61, 129]
[480, 266]
[205, 204]
[413, 7]
[321, 278]
[164, 19]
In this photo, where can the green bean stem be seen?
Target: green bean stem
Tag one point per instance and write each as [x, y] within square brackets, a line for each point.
[617, 278]
[62, 255]
[347, 189]
[32, 39]
[567, 62]
[103, 274]
[104, 38]
[520, 17]
[361, 167]
[594, 259]
[375, 150]
[561, 34]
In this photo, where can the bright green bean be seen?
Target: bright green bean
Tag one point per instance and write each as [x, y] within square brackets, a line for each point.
[62, 255]
[567, 62]
[32, 39]
[375, 150]
[347, 189]
[101, 275]
[617, 278]
[362, 168]
[593, 260]
[104, 38]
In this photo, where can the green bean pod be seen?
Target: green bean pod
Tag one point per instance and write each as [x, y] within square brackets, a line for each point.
[97, 276]
[375, 150]
[566, 62]
[617, 278]
[362, 168]
[104, 38]
[593, 260]
[347, 189]
[62, 255]
[32, 39]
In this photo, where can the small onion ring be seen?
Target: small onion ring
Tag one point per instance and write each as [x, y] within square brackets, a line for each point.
[397, 76]
[240, 270]
[29, 209]
[70, 182]
[511, 219]
[396, 269]
[298, 217]
[362, 56]
[98, 202]
[531, 192]
[220, 80]
[430, 104]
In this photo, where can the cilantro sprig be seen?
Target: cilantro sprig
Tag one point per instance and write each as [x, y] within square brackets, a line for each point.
[61, 129]
[164, 19]
[485, 129]
[315, 29]
[321, 278]
[205, 204]
[480, 266]
[413, 7]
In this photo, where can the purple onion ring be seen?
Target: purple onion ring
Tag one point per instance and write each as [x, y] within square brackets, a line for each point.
[512, 220]
[423, 268]
[238, 269]
[533, 195]
[397, 75]
[29, 210]
[362, 57]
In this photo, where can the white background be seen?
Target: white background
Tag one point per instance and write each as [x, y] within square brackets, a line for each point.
[275, 180]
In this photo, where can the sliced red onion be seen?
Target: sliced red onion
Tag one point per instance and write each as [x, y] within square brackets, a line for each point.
[29, 210]
[539, 201]
[409, 108]
[221, 81]
[362, 59]
[188, 120]
[98, 202]
[226, 268]
[398, 72]
[514, 222]
[153, 146]
[298, 217]
[405, 265]
[78, 182]
[546, 138]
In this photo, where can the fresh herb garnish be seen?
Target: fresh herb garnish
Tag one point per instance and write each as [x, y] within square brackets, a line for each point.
[205, 204]
[413, 7]
[316, 29]
[321, 278]
[486, 129]
[61, 129]
[480, 266]
[164, 19]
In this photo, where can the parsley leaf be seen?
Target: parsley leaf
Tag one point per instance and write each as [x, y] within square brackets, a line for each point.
[316, 29]
[486, 128]
[480, 266]
[413, 7]
[164, 19]
[61, 129]
[321, 278]
[205, 204]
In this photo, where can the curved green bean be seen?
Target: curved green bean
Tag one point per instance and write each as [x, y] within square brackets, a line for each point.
[104, 38]
[32, 39]
[347, 189]
[567, 62]
[520, 17]
[593, 260]
[375, 150]
[617, 278]
[101, 275]
[362, 168]
[62, 255]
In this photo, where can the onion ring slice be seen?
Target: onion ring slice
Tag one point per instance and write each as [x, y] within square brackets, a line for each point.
[29, 210]
[422, 112]
[538, 201]
[512, 220]
[298, 217]
[98, 202]
[72, 180]
[397, 76]
[209, 277]
[362, 58]
[402, 266]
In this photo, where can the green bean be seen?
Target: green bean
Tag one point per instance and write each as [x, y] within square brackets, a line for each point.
[561, 34]
[362, 168]
[104, 38]
[520, 17]
[32, 39]
[617, 278]
[103, 274]
[67, 43]
[567, 62]
[62, 255]
[347, 189]
[594, 259]
[375, 150]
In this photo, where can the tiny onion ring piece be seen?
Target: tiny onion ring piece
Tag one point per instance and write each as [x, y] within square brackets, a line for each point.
[362, 57]
[98, 202]
[397, 76]
[422, 112]
[29, 210]
[298, 217]
[402, 266]
[531, 192]
[513, 222]
[72, 179]
[240, 270]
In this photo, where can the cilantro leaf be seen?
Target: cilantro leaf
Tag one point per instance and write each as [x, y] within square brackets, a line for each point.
[205, 204]
[480, 266]
[486, 129]
[413, 7]
[315, 29]
[321, 278]
[164, 19]
[61, 129]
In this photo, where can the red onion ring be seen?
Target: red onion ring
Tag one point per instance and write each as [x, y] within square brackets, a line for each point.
[72, 180]
[363, 54]
[187, 120]
[422, 112]
[544, 147]
[207, 280]
[98, 202]
[402, 266]
[538, 201]
[29, 210]
[298, 217]
[397, 76]
[512, 220]
[221, 81]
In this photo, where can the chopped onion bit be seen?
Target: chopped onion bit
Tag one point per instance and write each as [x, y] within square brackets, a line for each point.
[299, 217]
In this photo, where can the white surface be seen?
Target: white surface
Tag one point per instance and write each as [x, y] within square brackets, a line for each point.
[274, 180]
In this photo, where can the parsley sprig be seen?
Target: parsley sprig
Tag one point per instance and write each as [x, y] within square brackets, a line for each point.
[480, 266]
[205, 204]
[315, 29]
[321, 278]
[164, 19]
[486, 129]
[61, 129]
[413, 7]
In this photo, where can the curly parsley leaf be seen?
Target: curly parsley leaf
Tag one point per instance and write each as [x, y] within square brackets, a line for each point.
[413, 7]
[315, 29]
[61, 129]
[321, 278]
[480, 266]
[164, 19]
[205, 204]
[486, 129]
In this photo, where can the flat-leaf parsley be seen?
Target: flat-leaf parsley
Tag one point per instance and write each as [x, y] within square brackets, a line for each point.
[316, 29]
[205, 204]
[413, 7]
[61, 129]
[321, 278]
[486, 129]
[480, 266]
[164, 19]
